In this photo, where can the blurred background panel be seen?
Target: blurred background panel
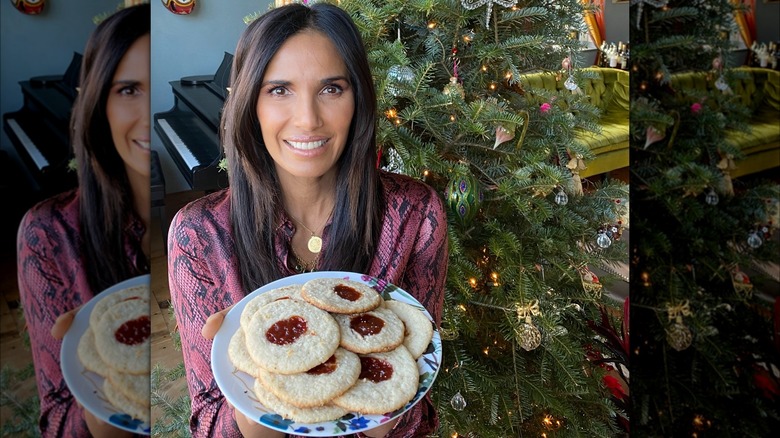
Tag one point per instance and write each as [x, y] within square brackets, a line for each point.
[40, 56]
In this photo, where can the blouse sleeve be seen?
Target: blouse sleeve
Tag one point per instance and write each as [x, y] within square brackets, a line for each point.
[45, 293]
[426, 271]
[424, 278]
[195, 296]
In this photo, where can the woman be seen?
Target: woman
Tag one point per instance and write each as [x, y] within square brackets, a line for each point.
[78, 243]
[299, 136]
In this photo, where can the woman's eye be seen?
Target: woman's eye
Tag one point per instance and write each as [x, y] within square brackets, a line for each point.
[332, 89]
[277, 91]
[128, 91]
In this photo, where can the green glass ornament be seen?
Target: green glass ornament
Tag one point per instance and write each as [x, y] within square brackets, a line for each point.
[464, 198]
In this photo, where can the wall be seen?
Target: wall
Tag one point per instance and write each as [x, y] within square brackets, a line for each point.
[186, 45]
[767, 17]
[616, 28]
[38, 45]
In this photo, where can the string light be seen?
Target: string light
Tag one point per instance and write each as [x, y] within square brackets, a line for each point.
[508, 75]
[425, 173]
[486, 351]
[473, 282]
[492, 86]
[462, 307]
[431, 24]
[391, 113]
[484, 68]
[452, 117]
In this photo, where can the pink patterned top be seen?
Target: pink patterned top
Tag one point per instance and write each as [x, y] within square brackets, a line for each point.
[204, 278]
[52, 281]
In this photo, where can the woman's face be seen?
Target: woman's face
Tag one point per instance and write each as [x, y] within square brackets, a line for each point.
[305, 106]
[127, 108]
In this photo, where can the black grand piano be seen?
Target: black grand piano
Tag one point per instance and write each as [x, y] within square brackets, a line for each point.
[190, 129]
[39, 131]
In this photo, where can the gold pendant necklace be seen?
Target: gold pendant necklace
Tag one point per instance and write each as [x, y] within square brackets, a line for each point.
[315, 242]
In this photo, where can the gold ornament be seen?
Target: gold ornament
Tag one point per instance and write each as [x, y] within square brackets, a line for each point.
[726, 165]
[575, 165]
[528, 335]
[678, 335]
[448, 334]
[454, 88]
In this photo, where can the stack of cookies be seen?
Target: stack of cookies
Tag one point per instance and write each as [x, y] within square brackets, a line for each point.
[116, 346]
[328, 347]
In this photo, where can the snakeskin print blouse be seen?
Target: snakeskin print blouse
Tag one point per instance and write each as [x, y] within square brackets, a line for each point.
[52, 281]
[203, 273]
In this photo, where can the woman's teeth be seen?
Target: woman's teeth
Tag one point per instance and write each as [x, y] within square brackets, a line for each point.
[306, 145]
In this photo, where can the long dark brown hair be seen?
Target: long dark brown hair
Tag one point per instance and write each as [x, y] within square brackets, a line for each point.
[106, 205]
[255, 191]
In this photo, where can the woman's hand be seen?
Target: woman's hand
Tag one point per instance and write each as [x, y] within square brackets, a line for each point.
[97, 428]
[63, 323]
[214, 322]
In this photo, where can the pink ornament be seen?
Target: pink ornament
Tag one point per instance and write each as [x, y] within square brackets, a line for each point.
[717, 63]
[566, 63]
[545, 107]
[503, 135]
[653, 135]
[695, 107]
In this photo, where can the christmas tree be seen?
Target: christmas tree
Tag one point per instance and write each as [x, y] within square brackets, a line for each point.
[521, 354]
[703, 363]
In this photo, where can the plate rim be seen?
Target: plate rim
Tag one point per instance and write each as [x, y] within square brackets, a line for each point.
[231, 324]
[72, 370]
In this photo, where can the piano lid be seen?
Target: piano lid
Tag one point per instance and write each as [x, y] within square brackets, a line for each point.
[222, 76]
[189, 131]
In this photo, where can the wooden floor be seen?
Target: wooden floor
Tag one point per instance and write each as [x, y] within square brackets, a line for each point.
[15, 355]
[164, 352]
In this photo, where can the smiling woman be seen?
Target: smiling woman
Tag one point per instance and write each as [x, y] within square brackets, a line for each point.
[78, 243]
[299, 134]
[127, 110]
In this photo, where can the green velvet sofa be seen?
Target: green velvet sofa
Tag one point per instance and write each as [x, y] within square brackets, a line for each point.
[608, 90]
[759, 90]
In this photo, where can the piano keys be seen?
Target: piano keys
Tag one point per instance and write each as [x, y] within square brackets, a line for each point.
[39, 131]
[190, 130]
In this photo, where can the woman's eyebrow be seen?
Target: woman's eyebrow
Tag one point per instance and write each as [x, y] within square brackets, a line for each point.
[125, 82]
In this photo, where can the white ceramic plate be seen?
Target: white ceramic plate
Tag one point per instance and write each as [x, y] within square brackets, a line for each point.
[237, 385]
[85, 385]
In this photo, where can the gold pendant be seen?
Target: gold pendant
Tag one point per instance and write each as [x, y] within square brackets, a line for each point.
[315, 244]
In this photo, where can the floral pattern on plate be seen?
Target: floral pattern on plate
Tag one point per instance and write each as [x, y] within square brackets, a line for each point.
[237, 385]
[86, 386]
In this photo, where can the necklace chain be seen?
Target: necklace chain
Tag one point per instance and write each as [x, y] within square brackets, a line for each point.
[315, 242]
[302, 266]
